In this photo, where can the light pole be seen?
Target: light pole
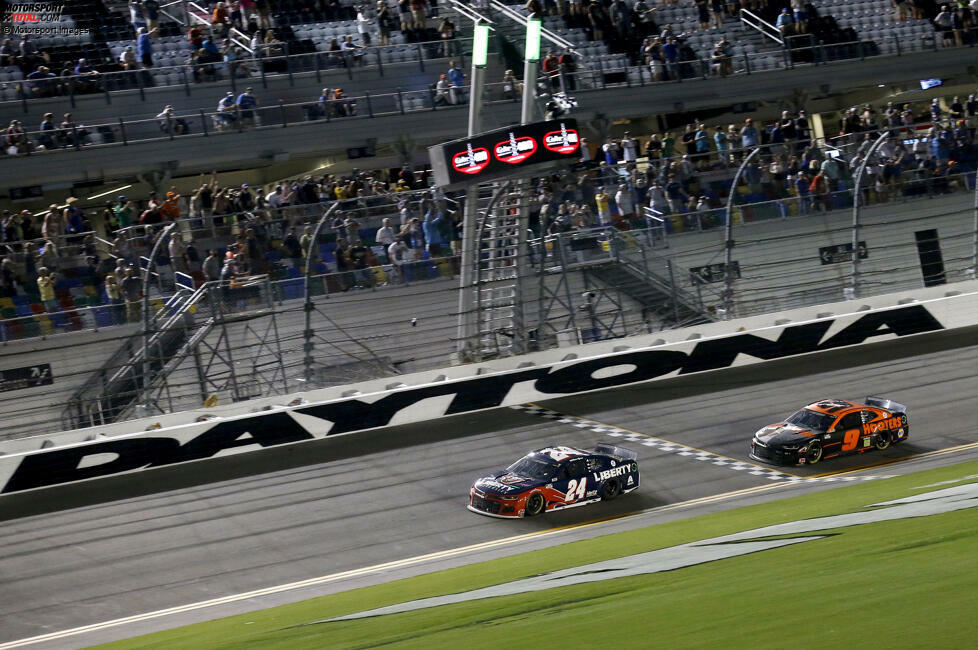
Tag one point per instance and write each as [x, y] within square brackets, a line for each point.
[466, 297]
[728, 242]
[308, 305]
[531, 61]
[857, 206]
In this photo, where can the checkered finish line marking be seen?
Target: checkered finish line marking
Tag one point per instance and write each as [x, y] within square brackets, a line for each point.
[669, 447]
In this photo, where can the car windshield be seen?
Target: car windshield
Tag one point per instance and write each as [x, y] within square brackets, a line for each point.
[531, 467]
[811, 420]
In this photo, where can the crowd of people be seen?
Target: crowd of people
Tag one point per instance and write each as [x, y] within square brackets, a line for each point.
[923, 155]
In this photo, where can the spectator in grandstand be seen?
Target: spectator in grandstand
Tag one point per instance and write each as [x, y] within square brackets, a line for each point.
[7, 53]
[45, 288]
[247, 103]
[144, 46]
[398, 253]
[211, 267]
[170, 208]
[945, 22]
[220, 18]
[446, 31]
[16, 140]
[178, 253]
[625, 201]
[385, 18]
[364, 25]
[385, 234]
[437, 232]
[132, 291]
[43, 83]
[419, 17]
[351, 51]
[629, 148]
[785, 22]
[128, 59]
[512, 87]
[748, 135]
[151, 10]
[551, 70]
[227, 112]
[443, 94]
[137, 15]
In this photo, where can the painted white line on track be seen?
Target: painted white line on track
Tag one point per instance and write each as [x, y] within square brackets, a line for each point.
[378, 568]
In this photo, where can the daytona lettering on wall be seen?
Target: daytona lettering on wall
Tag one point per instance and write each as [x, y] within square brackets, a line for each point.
[250, 432]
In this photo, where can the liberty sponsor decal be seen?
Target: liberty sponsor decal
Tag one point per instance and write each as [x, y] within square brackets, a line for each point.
[515, 150]
[614, 472]
[708, 550]
[132, 452]
[471, 161]
[564, 141]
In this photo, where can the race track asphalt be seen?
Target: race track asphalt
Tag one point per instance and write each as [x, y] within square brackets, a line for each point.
[174, 536]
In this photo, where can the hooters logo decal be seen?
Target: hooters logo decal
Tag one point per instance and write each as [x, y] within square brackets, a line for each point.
[563, 141]
[471, 161]
[515, 150]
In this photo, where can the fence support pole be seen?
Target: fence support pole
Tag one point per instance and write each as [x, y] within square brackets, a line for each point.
[164, 235]
[857, 205]
[728, 242]
[974, 257]
[308, 304]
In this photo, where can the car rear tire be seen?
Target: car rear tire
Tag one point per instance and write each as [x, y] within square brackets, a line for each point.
[883, 440]
[534, 505]
[610, 490]
[814, 453]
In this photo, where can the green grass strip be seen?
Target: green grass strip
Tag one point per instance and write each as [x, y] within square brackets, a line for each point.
[904, 583]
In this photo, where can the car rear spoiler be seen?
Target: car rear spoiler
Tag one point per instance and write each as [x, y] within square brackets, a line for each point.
[884, 403]
[612, 450]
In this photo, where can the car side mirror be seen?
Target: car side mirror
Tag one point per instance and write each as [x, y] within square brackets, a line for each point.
[830, 431]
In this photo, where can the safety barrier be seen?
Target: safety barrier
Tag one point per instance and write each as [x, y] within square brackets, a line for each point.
[198, 435]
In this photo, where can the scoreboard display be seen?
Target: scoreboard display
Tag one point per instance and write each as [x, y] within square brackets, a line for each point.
[504, 152]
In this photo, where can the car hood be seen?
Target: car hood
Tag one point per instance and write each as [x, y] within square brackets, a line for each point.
[783, 433]
[506, 484]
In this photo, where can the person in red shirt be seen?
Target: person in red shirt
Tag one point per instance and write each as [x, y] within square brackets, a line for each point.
[551, 68]
[170, 210]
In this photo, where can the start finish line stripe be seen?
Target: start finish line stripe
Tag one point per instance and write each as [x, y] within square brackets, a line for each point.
[669, 447]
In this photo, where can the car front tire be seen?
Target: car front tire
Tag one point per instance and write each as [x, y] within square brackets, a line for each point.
[814, 453]
[534, 505]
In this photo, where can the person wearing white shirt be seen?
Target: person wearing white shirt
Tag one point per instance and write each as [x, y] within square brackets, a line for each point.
[629, 148]
[275, 198]
[385, 234]
[398, 253]
[363, 26]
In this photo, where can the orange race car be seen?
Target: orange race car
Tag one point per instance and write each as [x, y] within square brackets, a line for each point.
[830, 428]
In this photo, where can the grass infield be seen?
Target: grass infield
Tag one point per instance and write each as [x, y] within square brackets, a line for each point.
[907, 583]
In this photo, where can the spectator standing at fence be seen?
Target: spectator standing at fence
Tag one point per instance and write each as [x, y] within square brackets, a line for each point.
[211, 268]
[247, 103]
[748, 135]
[227, 112]
[398, 253]
[385, 234]
[144, 47]
[132, 290]
[45, 288]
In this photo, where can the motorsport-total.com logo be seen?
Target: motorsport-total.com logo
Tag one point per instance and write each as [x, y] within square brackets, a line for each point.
[35, 19]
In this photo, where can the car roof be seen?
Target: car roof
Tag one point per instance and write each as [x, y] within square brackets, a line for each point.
[561, 453]
[833, 406]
